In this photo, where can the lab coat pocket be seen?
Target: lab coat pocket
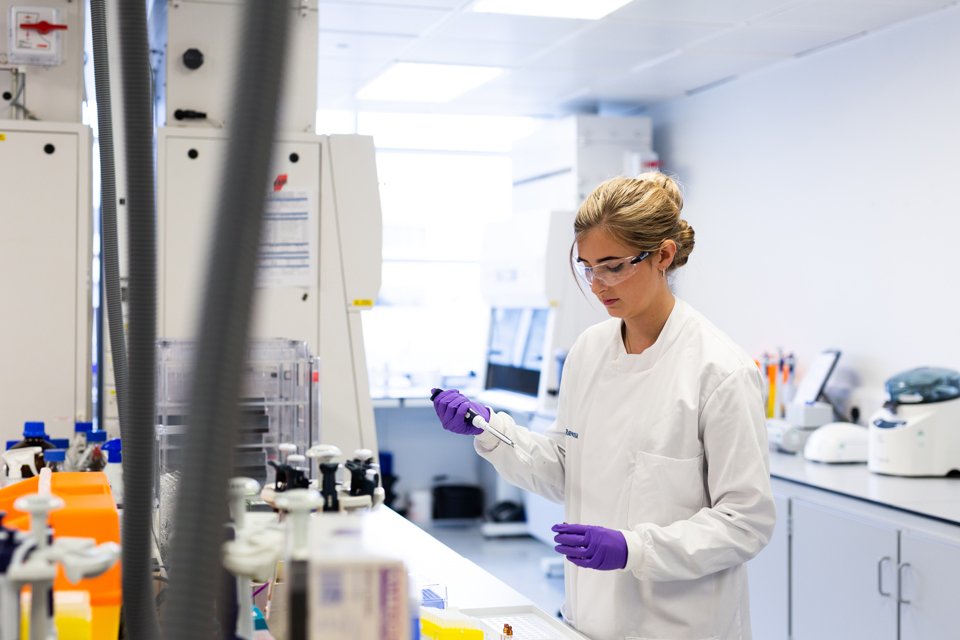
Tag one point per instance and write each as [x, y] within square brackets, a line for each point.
[664, 490]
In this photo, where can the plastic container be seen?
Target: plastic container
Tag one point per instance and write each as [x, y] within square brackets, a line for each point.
[54, 459]
[114, 468]
[34, 435]
[78, 444]
[449, 624]
[88, 512]
[97, 459]
[372, 594]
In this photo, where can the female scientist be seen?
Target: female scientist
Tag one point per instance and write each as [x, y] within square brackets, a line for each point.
[659, 450]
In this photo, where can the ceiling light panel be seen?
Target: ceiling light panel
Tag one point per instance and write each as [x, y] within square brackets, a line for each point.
[573, 9]
[418, 82]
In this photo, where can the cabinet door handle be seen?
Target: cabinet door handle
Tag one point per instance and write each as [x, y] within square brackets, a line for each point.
[880, 577]
[900, 569]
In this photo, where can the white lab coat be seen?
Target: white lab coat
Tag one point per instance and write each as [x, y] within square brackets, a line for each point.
[670, 447]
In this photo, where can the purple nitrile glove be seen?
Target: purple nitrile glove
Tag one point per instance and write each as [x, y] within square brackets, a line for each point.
[590, 546]
[451, 407]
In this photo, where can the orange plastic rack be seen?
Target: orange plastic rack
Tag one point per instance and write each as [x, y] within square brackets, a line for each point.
[89, 512]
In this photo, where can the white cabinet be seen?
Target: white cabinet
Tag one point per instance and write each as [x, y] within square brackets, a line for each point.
[843, 575]
[854, 570]
[46, 264]
[767, 575]
[928, 571]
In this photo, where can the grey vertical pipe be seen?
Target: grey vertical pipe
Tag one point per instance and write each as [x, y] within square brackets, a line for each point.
[207, 455]
[110, 256]
[139, 608]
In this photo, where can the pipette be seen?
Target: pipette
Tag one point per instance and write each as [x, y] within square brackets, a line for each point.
[475, 419]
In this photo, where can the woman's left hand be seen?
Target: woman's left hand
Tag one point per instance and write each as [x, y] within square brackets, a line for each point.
[590, 546]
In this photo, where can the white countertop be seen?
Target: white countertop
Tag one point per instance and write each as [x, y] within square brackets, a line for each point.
[931, 497]
[429, 561]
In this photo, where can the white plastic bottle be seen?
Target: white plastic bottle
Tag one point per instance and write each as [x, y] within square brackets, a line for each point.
[114, 468]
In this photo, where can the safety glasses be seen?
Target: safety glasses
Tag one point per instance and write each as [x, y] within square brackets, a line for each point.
[610, 272]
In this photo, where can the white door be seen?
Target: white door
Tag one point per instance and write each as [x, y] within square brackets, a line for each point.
[928, 592]
[769, 579]
[843, 575]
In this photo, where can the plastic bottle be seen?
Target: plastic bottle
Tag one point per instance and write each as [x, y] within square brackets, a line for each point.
[97, 458]
[34, 435]
[114, 468]
[54, 459]
[78, 445]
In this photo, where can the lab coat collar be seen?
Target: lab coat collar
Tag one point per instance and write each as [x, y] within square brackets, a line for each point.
[648, 358]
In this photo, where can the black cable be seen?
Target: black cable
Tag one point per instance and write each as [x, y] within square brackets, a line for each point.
[110, 256]
[195, 566]
[138, 437]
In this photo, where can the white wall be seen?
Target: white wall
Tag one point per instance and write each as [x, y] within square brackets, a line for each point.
[823, 192]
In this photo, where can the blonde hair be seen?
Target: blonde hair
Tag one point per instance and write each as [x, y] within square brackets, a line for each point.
[640, 212]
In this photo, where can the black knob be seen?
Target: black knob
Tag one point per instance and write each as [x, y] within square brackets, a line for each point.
[193, 59]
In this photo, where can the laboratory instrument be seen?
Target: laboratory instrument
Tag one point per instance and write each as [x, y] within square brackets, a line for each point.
[325, 454]
[837, 442]
[917, 431]
[475, 419]
[806, 411]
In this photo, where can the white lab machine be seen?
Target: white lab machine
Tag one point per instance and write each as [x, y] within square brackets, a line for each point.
[837, 443]
[917, 431]
[321, 256]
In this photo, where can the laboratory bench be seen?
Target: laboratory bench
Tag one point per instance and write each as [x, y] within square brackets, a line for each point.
[857, 555]
[468, 586]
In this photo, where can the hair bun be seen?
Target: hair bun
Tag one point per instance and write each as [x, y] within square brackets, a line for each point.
[685, 242]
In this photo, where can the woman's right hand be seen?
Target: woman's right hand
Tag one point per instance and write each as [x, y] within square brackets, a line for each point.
[452, 406]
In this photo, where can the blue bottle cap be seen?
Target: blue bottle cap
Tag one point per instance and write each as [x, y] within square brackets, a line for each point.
[82, 427]
[114, 450]
[54, 455]
[34, 430]
[97, 436]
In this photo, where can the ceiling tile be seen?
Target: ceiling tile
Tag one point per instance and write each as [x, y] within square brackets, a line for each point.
[526, 81]
[775, 39]
[690, 70]
[580, 56]
[718, 11]
[646, 35]
[919, 5]
[852, 15]
[476, 52]
[361, 18]
[366, 46]
[441, 4]
[494, 27]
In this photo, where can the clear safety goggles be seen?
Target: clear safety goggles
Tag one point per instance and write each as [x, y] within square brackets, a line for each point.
[610, 272]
